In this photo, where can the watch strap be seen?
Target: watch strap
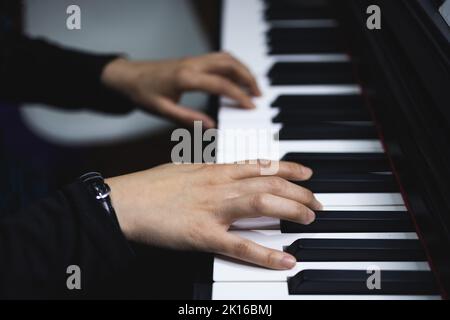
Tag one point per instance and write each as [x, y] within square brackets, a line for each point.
[100, 191]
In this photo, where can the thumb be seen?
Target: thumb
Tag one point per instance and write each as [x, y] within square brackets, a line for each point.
[249, 251]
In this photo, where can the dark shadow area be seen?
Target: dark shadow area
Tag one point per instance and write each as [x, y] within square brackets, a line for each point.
[208, 12]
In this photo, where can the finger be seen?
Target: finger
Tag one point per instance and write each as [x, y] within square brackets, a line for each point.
[267, 205]
[249, 251]
[287, 170]
[217, 85]
[180, 114]
[253, 84]
[278, 187]
[231, 67]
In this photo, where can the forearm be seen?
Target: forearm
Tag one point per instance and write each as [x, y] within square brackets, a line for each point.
[38, 244]
[38, 71]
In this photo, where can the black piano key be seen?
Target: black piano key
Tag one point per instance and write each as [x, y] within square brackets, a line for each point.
[350, 183]
[347, 102]
[298, 10]
[298, 4]
[305, 40]
[294, 73]
[303, 34]
[356, 250]
[277, 14]
[353, 221]
[285, 40]
[327, 131]
[310, 47]
[292, 116]
[341, 162]
[355, 282]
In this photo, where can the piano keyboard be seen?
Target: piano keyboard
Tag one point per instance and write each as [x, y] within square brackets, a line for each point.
[298, 53]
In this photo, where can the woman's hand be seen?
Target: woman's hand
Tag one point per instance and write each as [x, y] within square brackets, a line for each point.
[158, 86]
[191, 207]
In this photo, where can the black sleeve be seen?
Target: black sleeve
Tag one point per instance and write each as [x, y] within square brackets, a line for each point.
[41, 72]
[70, 228]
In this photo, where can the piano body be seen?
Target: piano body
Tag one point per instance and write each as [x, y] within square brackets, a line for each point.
[369, 111]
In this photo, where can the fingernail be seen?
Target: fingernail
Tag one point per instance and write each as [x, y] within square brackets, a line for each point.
[311, 217]
[288, 262]
[307, 171]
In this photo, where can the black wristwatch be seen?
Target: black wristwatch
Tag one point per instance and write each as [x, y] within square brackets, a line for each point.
[97, 187]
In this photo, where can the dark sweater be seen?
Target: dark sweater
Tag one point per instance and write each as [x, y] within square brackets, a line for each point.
[69, 228]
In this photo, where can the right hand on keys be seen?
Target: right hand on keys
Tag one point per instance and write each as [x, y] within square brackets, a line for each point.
[191, 207]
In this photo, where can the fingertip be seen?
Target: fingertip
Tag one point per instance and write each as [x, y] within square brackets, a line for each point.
[209, 124]
[249, 104]
[317, 205]
[306, 172]
[300, 172]
[256, 92]
[287, 262]
[311, 217]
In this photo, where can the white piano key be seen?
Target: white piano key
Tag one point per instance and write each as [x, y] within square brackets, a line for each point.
[227, 269]
[270, 93]
[248, 43]
[277, 240]
[230, 270]
[332, 146]
[262, 223]
[309, 89]
[266, 223]
[261, 121]
[230, 148]
[279, 291]
[230, 116]
[365, 208]
[360, 199]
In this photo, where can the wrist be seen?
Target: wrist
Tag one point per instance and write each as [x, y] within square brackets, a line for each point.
[118, 75]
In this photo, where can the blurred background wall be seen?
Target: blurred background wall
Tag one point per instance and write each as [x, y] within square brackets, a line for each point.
[141, 29]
